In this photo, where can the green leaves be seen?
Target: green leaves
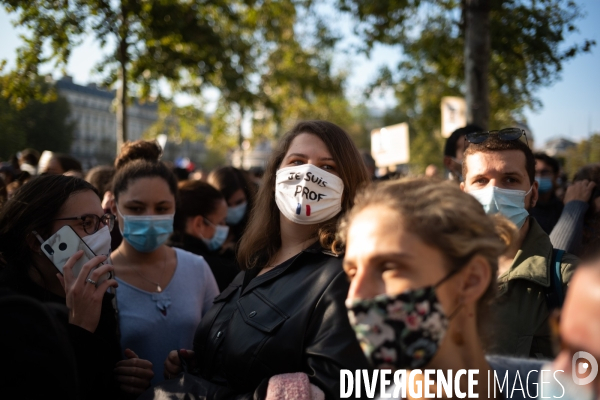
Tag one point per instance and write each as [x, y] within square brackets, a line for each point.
[36, 124]
[527, 53]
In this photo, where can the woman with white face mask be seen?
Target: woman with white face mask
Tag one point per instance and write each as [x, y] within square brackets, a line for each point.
[200, 228]
[285, 312]
[163, 292]
[39, 209]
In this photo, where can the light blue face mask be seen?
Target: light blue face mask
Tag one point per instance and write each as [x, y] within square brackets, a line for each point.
[236, 213]
[545, 184]
[220, 236]
[510, 203]
[146, 233]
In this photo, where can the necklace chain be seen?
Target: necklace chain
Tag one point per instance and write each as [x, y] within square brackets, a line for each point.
[158, 287]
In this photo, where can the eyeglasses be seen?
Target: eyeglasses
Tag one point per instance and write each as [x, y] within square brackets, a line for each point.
[506, 134]
[91, 222]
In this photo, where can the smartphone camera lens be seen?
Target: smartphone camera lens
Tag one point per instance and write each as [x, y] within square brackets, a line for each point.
[62, 246]
[49, 249]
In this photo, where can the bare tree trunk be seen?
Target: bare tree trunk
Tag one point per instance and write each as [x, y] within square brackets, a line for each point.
[477, 59]
[122, 76]
[121, 109]
[241, 137]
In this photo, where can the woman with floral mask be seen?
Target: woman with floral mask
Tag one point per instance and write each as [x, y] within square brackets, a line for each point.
[422, 258]
[39, 209]
[285, 313]
[163, 292]
[200, 228]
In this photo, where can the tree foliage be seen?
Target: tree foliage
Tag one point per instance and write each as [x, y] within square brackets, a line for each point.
[527, 52]
[36, 124]
[586, 152]
[271, 56]
[188, 44]
[295, 80]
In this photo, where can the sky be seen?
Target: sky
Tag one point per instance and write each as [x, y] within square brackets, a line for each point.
[570, 107]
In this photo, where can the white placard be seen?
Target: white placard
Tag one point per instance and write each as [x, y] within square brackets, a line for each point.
[390, 145]
[454, 114]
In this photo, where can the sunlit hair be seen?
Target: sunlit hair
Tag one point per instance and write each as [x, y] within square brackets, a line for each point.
[148, 150]
[262, 237]
[443, 217]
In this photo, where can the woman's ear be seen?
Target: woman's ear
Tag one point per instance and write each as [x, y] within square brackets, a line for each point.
[477, 275]
[33, 243]
[534, 194]
[195, 226]
[108, 201]
[113, 207]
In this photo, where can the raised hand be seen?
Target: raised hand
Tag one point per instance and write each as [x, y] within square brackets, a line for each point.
[84, 299]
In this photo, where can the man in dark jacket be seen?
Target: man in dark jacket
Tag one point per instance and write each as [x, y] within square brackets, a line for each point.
[500, 173]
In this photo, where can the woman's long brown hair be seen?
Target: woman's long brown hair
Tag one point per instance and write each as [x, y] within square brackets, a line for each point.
[262, 237]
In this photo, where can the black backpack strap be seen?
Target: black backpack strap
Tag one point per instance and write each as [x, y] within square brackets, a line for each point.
[556, 295]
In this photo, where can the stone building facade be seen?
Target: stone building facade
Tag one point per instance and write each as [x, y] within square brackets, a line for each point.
[94, 137]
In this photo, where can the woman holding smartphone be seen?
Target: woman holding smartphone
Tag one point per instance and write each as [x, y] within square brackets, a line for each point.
[285, 313]
[39, 209]
[163, 292]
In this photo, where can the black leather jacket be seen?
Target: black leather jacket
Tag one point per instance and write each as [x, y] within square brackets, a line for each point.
[290, 319]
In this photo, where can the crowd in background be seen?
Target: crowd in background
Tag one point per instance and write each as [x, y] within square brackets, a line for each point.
[257, 283]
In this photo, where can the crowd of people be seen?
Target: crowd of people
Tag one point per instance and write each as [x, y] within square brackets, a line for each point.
[237, 288]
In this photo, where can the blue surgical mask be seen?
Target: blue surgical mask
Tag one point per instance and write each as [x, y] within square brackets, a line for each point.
[146, 233]
[220, 236]
[510, 203]
[545, 184]
[236, 213]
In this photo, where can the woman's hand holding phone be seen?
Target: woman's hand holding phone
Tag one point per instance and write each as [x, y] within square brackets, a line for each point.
[84, 299]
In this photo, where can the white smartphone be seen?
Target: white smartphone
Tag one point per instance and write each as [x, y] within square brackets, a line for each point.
[63, 244]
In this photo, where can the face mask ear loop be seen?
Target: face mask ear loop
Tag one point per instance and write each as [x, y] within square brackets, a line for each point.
[119, 211]
[444, 279]
[38, 237]
[448, 276]
[530, 189]
[456, 310]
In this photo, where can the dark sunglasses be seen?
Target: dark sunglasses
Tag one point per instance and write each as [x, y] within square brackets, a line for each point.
[91, 222]
[506, 134]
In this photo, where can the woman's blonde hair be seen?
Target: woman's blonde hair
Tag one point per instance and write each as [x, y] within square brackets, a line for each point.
[262, 237]
[444, 217]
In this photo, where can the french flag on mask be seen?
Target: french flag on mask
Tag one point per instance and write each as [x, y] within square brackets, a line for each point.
[306, 194]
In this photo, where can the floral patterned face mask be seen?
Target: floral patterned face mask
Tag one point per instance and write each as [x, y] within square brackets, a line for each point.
[402, 331]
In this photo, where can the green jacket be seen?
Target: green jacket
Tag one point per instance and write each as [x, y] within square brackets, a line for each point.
[521, 326]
